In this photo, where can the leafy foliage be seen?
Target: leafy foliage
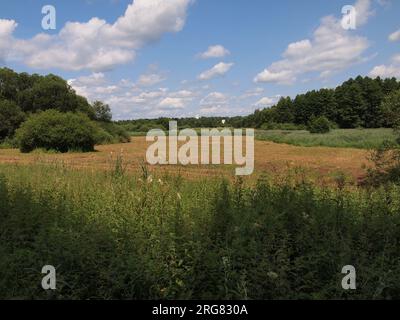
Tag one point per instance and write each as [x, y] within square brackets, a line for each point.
[53, 130]
[319, 125]
[138, 237]
[102, 111]
[11, 117]
[390, 109]
[22, 95]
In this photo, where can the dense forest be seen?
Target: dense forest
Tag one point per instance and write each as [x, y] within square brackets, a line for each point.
[356, 103]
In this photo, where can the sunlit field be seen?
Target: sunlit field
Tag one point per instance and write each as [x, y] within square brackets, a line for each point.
[320, 163]
[341, 138]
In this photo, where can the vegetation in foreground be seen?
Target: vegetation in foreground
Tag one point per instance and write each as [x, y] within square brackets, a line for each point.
[339, 138]
[116, 236]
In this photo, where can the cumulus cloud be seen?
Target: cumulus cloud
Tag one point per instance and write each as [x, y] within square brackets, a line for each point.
[7, 27]
[216, 51]
[265, 102]
[330, 50]
[128, 100]
[387, 71]
[395, 36]
[172, 103]
[214, 98]
[218, 70]
[97, 45]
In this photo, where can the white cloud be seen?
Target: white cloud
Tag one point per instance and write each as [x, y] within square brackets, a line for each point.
[216, 51]
[387, 71]
[214, 98]
[148, 80]
[364, 12]
[218, 70]
[172, 103]
[265, 102]
[282, 77]
[330, 50]
[7, 27]
[215, 110]
[395, 36]
[97, 45]
[252, 93]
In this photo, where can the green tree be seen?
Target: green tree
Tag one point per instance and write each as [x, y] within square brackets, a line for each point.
[11, 117]
[390, 110]
[102, 111]
[351, 105]
[283, 111]
[50, 92]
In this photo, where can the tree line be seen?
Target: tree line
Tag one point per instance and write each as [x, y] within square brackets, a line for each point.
[358, 102]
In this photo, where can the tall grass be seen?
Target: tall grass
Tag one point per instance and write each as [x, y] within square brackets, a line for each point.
[343, 138]
[117, 236]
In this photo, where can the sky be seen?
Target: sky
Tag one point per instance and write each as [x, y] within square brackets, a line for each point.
[192, 58]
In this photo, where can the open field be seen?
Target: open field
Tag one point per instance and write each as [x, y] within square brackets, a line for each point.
[342, 138]
[322, 163]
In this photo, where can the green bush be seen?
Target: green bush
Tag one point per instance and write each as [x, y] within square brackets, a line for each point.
[53, 130]
[319, 125]
[113, 133]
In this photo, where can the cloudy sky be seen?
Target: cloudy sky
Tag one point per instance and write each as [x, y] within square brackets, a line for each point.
[152, 58]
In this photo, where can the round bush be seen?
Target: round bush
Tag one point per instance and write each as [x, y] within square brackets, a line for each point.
[319, 125]
[62, 132]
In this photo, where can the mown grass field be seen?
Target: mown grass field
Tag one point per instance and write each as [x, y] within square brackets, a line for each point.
[321, 163]
[340, 138]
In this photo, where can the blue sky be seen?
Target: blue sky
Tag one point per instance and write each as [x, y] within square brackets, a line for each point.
[151, 58]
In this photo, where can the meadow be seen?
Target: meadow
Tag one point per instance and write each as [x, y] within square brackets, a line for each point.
[323, 164]
[117, 235]
[115, 228]
[340, 138]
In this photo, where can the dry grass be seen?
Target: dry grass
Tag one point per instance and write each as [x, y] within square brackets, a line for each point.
[320, 163]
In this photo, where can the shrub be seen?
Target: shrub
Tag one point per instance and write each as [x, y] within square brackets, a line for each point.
[113, 133]
[53, 130]
[319, 125]
[386, 165]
